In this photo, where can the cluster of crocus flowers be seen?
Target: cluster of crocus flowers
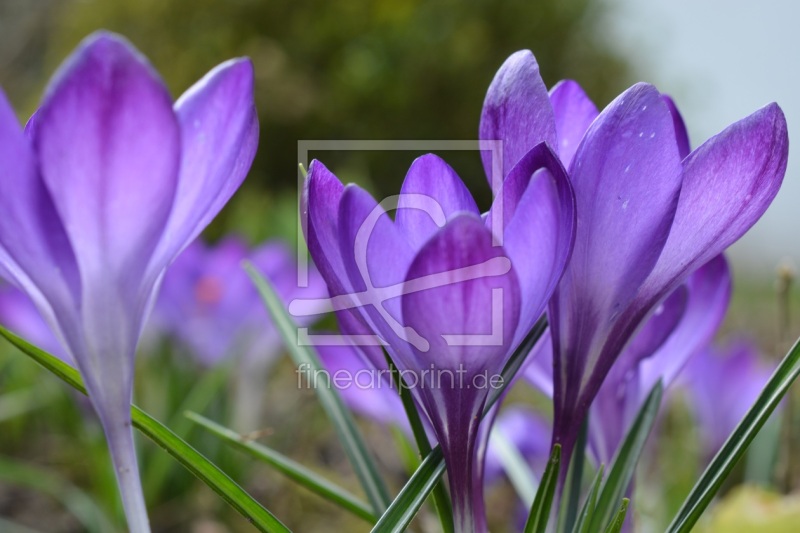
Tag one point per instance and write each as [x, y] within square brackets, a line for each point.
[108, 182]
[604, 216]
[650, 212]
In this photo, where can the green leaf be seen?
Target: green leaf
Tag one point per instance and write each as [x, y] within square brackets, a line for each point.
[205, 390]
[736, 445]
[71, 497]
[540, 510]
[516, 361]
[590, 504]
[290, 468]
[190, 458]
[441, 500]
[572, 489]
[405, 506]
[619, 519]
[516, 467]
[342, 419]
[623, 465]
[402, 510]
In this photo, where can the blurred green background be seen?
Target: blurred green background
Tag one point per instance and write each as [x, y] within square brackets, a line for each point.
[360, 69]
[355, 69]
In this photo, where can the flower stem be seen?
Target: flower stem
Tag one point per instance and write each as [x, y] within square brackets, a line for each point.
[119, 434]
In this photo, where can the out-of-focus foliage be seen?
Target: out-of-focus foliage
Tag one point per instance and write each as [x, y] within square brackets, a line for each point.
[754, 510]
[356, 69]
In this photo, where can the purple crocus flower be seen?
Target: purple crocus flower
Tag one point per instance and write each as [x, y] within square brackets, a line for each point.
[209, 304]
[366, 389]
[438, 289]
[722, 384]
[649, 212]
[108, 183]
[681, 327]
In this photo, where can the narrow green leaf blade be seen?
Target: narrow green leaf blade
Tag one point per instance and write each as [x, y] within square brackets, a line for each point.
[736, 445]
[623, 465]
[342, 419]
[516, 467]
[288, 467]
[619, 519]
[190, 458]
[589, 505]
[516, 361]
[572, 490]
[540, 510]
[411, 497]
[441, 500]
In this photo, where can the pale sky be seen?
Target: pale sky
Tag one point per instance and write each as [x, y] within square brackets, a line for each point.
[721, 60]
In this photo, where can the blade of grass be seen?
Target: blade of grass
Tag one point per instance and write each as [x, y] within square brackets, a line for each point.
[736, 445]
[543, 502]
[623, 466]
[402, 510]
[441, 500]
[408, 501]
[342, 419]
[516, 361]
[619, 519]
[190, 458]
[159, 468]
[569, 507]
[589, 505]
[517, 469]
[288, 467]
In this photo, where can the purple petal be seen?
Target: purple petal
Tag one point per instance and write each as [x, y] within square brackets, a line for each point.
[322, 195]
[108, 146]
[443, 305]
[723, 384]
[540, 231]
[439, 302]
[319, 206]
[363, 387]
[728, 183]
[376, 257]
[219, 136]
[709, 292]
[18, 313]
[627, 176]
[574, 113]
[431, 194]
[623, 391]
[516, 111]
[35, 252]
[681, 134]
